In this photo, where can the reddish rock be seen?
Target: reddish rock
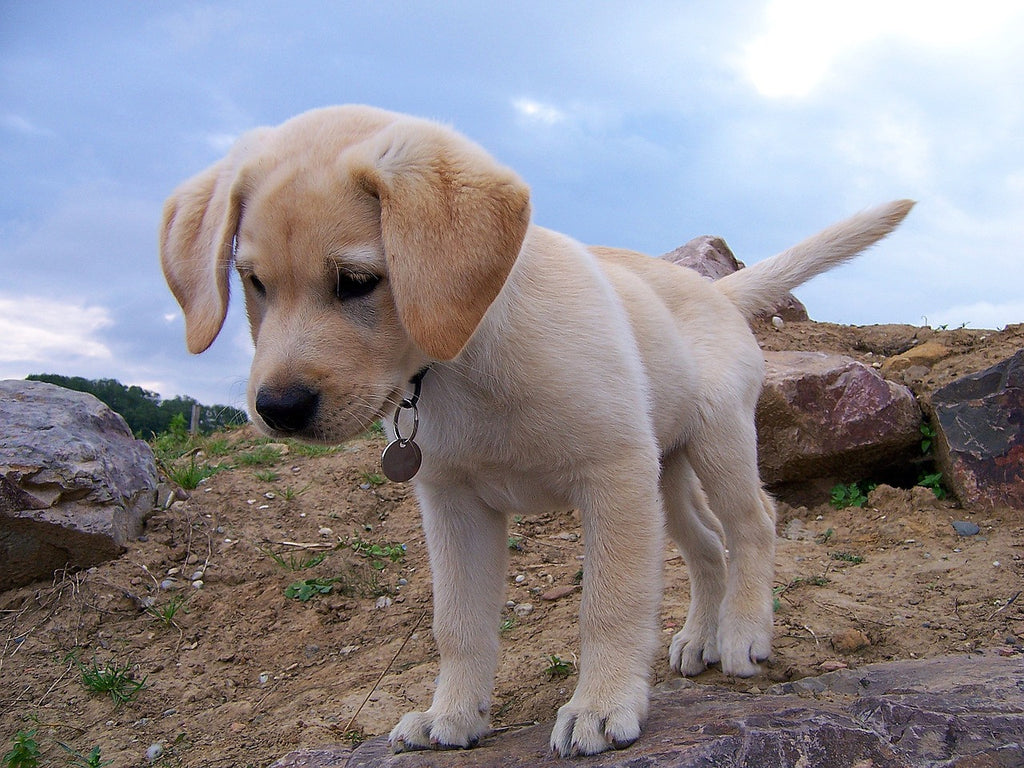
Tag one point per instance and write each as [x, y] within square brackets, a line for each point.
[559, 592]
[714, 259]
[830, 416]
[979, 422]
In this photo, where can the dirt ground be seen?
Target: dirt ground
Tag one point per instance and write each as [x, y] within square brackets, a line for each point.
[241, 673]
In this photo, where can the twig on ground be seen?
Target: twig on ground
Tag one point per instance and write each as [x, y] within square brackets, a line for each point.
[394, 658]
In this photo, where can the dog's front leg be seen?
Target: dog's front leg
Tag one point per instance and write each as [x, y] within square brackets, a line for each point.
[623, 538]
[468, 559]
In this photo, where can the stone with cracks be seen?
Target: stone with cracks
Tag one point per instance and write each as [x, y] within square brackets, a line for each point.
[954, 712]
[824, 415]
[75, 485]
[979, 422]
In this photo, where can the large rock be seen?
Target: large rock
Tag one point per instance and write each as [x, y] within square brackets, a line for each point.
[979, 422]
[714, 259]
[75, 486]
[826, 415]
[953, 712]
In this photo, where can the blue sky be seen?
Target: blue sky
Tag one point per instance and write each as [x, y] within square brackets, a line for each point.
[638, 124]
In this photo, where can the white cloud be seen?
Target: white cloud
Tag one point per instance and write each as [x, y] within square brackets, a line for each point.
[804, 39]
[539, 112]
[38, 330]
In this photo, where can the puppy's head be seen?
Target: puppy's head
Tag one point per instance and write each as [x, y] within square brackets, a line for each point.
[368, 243]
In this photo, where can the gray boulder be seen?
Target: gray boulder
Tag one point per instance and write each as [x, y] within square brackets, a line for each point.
[75, 485]
[713, 258]
[826, 415]
[952, 712]
[979, 422]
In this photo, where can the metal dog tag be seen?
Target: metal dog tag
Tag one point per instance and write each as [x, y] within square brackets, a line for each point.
[401, 460]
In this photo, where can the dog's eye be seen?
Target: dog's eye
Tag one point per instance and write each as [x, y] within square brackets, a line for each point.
[352, 286]
[257, 285]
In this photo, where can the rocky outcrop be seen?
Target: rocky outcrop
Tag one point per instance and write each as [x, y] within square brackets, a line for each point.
[953, 712]
[711, 257]
[979, 422]
[75, 485]
[826, 415]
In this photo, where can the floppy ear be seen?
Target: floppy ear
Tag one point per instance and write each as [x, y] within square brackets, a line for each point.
[199, 224]
[452, 220]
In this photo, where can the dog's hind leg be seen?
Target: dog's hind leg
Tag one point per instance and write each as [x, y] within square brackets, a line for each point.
[724, 456]
[699, 536]
[468, 547]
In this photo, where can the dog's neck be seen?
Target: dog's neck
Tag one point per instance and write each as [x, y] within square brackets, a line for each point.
[402, 457]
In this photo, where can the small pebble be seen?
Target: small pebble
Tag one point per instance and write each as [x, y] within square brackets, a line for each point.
[154, 753]
[198, 584]
[966, 528]
[850, 640]
[196, 576]
[325, 531]
[383, 602]
[402, 582]
[520, 579]
[778, 322]
[167, 584]
[523, 609]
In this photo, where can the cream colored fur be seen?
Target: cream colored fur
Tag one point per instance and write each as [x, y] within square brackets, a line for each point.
[561, 376]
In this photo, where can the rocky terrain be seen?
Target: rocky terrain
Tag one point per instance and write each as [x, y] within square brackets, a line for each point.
[285, 603]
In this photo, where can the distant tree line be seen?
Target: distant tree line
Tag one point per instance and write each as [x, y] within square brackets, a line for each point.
[144, 411]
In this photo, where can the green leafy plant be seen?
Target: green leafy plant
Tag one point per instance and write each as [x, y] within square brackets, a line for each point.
[267, 475]
[507, 624]
[515, 543]
[933, 480]
[306, 589]
[112, 679]
[557, 668]
[92, 760]
[847, 557]
[927, 437]
[24, 752]
[851, 495]
[377, 553]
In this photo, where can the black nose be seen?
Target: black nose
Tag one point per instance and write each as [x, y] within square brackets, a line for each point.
[291, 409]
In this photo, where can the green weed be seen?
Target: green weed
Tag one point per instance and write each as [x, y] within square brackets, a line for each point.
[557, 668]
[933, 480]
[112, 679]
[166, 612]
[851, 495]
[377, 553]
[92, 760]
[295, 561]
[515, 543]
[312, 450]
[267, 475]
[24, 752]
[847, 557]
[372, 478]
[188, 476]
[307, 589]
[927, 437]
[259, 455]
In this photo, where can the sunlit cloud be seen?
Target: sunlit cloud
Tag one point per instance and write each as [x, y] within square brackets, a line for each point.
[803, 39]
[539, 112]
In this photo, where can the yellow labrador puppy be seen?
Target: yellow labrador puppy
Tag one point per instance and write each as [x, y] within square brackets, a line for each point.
[390, 264]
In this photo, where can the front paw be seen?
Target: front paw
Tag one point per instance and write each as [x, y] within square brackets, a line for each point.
[590, 730]
[744, 642]
[433, 730]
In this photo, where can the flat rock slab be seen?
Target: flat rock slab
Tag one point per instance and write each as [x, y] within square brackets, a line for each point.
[955, 712]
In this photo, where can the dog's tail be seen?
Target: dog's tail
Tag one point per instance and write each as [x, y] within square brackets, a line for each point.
[760, 287]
